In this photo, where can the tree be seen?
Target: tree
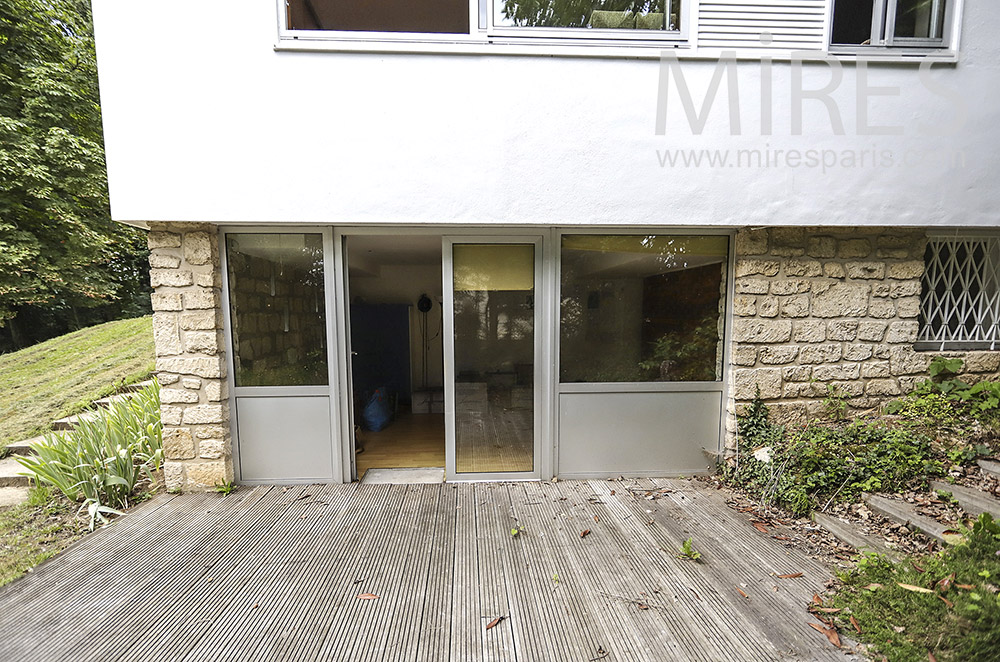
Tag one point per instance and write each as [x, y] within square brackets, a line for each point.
[59, 249]
[570, 13]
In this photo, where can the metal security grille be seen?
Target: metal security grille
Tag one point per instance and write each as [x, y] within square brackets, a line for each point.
[960, 300]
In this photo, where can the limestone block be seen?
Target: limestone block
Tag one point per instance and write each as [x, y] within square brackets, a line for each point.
[767, 307]
[173, 475]
[198, 248]
[755, 266]
[848, 248]
[198, 367]
[842, 330]
[803, 268]
[201, 414]
[834, 270]
[810, 331]
[751, 286]
[872, 331]
[789, 286]
[823, 247]
[162, 260]
[875, 370]
[858, 352]
[904, 361]
[199, 320]
[892, 253]
[178, 444]
[882, 351]
[912, 270]
[192, 383]
[744, 305]
[208, 474]
[170, 415]
[166, 334]
[788, 413]
[201, 342]
[215, 391]
[747, 381]
[200, 299]
[170, 278]
[166, 301]
[842, 300]
[778, 354]
[178, 396]
[762, 331]
[849, 389]
[795, 306]
[788, 236]
[210, 431]
[906, 288]
[212, 449]
[908, 308]
[882, 387]
[159, 239]
[204, 279]
[745, 355]
[818, 354]
[866, 270]
[902, 332]
[882, 309]
[829, 373]
[982, 361]
[797, 373]
[166, 378]
[751, 241]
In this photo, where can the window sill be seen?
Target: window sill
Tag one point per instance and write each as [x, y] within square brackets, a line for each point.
[600, 49]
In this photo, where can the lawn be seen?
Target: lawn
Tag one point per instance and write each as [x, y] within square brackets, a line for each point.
[35, 531]
[63, 375]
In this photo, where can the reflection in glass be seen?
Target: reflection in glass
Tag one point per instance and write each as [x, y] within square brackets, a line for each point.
[494, 301]
[429, 16]
[642, 308]
[922, 19]
[852, 22]
[278, 309]
[595, 14]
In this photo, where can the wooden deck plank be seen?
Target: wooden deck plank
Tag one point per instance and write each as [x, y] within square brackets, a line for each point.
[287, 565]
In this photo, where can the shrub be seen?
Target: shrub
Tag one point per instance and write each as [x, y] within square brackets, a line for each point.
[102, 460]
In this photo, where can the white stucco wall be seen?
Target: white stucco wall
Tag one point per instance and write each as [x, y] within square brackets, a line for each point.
[205, 121]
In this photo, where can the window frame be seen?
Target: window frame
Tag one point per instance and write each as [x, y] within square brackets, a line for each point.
[931, 339]
[883, 27]
[482, 32]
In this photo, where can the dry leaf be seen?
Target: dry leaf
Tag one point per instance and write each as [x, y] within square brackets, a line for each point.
[367, 596]
[916, 567]
[930, 657]
[781, 537]
[899, 629]
[945, 583]
[643, 607]
[916, 589]
[946, 601]
[612, 492]
[830, 633]
[856, 625]
[827, 610]
[742, 593]
[760, 527]
[585, 533]
[595, 519]
[790, 576]
[967, 587]
[495, 622]
[817, 600]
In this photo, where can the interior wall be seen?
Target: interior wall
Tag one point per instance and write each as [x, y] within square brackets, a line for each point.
[405, 284]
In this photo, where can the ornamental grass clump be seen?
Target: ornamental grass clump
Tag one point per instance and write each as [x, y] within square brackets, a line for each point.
[105, 457]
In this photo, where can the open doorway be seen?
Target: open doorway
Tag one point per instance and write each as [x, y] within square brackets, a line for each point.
[397, 364]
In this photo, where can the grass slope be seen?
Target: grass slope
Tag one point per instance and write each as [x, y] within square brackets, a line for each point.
[63, 375]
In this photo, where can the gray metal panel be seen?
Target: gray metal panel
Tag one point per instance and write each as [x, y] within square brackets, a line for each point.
[285, 438]
[605, 434]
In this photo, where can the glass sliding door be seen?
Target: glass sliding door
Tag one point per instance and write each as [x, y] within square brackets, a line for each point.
[493, 352]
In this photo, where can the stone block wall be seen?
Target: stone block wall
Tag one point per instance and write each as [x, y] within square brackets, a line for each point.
[814, 307]
[190, 355]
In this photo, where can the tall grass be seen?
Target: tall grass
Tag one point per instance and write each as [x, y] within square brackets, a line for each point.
[104, 458]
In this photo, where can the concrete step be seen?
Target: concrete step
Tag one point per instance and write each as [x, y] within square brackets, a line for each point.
[23, 447]
[854, 536]
[972, 500]
[70, 422]
[9, 470]
[905, 514]
[991, 467]
[12, 496]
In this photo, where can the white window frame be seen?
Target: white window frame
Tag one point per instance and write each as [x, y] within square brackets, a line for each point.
[884, 27]
[983, 309]
[483, 32]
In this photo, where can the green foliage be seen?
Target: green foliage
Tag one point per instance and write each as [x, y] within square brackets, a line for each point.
[983, 398]
[103, 460]
[688, 551]
[835, 403]
[956, 618]
[33, 532]
[570, 13]
[817, 464]
[226, 488]
[59, 248]
[686, 356]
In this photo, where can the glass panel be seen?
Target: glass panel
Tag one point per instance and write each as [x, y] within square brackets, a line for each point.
[922, 19]
[494, 295]
[433, 16]
[596, 14]
[278, 309]
[642, 308]
[852, 22]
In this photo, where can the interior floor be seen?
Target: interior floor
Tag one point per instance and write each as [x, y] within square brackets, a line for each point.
[411, 440]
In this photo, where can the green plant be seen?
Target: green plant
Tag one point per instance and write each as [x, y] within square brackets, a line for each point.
[517, 531]
[102, 460]
[688, 551]
[835, 403]
[225, 488]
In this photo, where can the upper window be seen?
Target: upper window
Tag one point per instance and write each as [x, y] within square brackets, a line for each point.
[960, 294]
[891, 23]
[603, 19]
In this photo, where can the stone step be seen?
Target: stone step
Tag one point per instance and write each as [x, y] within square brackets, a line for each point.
[9, 470]
[854, 536]
[23, 447]
[905, 514]
[991, 467]
[70, 422]
[974, 501]
[12, 496]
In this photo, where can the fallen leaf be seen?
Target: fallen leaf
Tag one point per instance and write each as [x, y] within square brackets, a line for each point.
[930, 657]
[612, 492]
[742, 593]
[790, 576]
[827, 610]
[495, 622]
[916, 567]
[817, 600]
[967, 587]
[830, 633]
[595, 519]
[367, 596]
[946, 601]
[945, 583]
[781, 537]
[899, 629]
[856, 625]
[585, 533]
[760, 527]
[643, 607]
[916, 589]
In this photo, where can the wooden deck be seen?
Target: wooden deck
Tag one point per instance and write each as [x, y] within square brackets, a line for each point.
[273, 574]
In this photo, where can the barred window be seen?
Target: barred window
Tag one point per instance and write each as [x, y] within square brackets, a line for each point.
[960, 294]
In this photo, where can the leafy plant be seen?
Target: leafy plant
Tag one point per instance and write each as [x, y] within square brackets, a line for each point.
[516, 531]
[103, 459]
[835, 403]
[225, 488]
[688, 551]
